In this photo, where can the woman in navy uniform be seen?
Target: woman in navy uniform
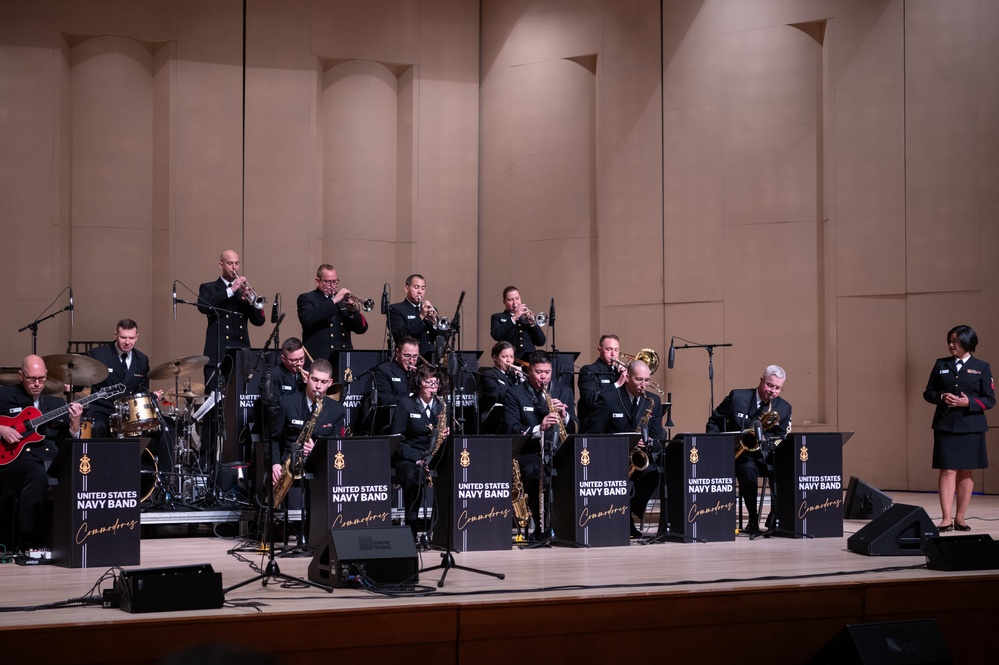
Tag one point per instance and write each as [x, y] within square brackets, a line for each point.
[962, 388]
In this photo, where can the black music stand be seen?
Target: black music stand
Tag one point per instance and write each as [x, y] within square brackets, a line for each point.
[447, 451]
[271, 569]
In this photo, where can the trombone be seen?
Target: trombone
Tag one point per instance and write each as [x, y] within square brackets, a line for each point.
[650, 358]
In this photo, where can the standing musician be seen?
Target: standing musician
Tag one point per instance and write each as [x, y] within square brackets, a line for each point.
[494, 382]
[232, 296]
[415, 317]
[625, 410]
[605, 374]
[329, 315]
[736, 413]
[526, 413]
[517, 325]
[26, 474]
[416, 419]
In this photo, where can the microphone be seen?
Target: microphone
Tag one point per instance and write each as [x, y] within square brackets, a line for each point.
[72, 316]
[551, 312]
[174, 300]
[669, 410]
[672, 354]
[385, 298]
[275, 308]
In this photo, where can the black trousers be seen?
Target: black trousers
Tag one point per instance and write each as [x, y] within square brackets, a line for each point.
[748, 469]
[29, 480]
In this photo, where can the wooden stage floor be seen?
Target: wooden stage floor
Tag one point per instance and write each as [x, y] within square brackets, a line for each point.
[769, 600]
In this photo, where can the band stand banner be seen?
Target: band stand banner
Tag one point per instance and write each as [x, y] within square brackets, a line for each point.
[351, 483]
[701, 494]
[590, 489]
[241, 394]
[353, 370]
[472, 489]
[808, 473]
[96, 518]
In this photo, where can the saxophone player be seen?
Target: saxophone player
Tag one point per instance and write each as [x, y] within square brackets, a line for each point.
[526, 413]
[416, 418]
[295, 410]
[633, 408]
[737, 412]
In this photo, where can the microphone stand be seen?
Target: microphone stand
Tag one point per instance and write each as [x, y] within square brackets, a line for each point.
[664, 532]
[33, 326]
[271, 569]
[710, 348]
[447, 556]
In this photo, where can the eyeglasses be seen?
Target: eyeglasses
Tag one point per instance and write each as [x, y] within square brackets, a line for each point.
[36, 379]
[295, 361]
[329, 282]
[772, 387]
[410, 356]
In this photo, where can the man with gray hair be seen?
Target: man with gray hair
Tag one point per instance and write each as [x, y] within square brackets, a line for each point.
[738, 412]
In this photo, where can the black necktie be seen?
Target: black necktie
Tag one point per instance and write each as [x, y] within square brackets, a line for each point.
[124, 363]
[634, 406]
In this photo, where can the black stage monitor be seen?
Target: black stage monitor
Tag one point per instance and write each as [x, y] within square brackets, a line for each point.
[863, 501]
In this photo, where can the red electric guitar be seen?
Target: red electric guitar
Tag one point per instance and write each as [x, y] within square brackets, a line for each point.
[30, 419]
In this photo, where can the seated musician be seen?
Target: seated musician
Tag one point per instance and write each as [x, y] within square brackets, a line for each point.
[289, 375]
[632, 408]
[527, 413]
[605, 374]
[24, 469]
[493, 384]
[737, 413]
[296, 413]
[390, 382]
[517, 325]
[416, 418]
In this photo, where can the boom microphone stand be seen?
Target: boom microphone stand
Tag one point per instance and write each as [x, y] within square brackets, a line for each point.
[447, 556]
[710, 348]
[271, 569]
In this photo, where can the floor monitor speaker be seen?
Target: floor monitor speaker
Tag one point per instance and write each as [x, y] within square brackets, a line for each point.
[977, 552]
[174, 588]
[383, 555]
[901, 530]
[891, 643]
[864, 501]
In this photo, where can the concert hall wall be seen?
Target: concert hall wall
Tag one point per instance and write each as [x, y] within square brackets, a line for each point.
[812, 181]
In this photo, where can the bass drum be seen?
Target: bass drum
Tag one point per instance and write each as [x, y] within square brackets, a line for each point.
[149, 475]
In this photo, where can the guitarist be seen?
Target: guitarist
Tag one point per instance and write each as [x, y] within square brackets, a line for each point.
[26, 475]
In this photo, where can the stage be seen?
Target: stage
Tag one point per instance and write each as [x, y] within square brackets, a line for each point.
[769, 600]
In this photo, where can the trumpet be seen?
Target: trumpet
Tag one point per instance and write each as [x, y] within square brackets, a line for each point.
[530, 318]
[432, 313]
[248, 294]
[355, 304]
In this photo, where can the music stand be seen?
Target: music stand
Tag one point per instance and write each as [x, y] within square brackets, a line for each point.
[271, 569]
[447, 451]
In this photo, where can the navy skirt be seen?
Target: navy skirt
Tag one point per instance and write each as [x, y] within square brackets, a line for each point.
[959, 450]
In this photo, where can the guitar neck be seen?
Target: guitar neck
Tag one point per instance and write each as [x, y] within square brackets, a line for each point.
[83, 401]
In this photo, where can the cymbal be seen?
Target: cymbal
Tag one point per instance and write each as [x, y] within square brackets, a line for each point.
[179, 367]
[53, 386]
[193, 391]
[75, 369]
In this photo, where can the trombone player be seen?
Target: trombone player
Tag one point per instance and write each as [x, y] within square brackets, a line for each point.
[518, 325]
[634, 408]
[329, 314]
[737, 413]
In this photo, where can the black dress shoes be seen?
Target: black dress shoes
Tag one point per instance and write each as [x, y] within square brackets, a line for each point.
[962, 527]
[944, 529]
[752, 529]
[635, 533]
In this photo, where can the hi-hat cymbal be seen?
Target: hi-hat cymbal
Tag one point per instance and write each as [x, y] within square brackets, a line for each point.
[179, 367]
[75, 369]
[192, 391]
[53, 386]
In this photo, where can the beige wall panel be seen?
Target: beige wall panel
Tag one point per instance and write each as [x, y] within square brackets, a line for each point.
[210, 57]
[152, 20]
[280, 74]
[772, 310]
[987, 327]
[771, 164]
[524, 31]
[869, 46]
[694, 204]
[928, 318]
[874, 380]
[989, 107]
[941, 38]
[384, 31]
[630, 81]
[751, 14]
[640, 327]
[870, 191]
[695, 70]
[544, 208]
[699, 323]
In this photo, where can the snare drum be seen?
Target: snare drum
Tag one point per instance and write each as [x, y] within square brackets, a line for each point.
[137, 414]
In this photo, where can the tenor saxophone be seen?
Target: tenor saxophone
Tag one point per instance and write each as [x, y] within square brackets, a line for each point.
[562, 433]
[438, 442]
[520, 508]
[639, 459]
[295, 464]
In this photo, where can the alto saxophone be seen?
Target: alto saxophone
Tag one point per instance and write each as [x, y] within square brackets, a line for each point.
[562, 433]
[639, 459]
[520, 508]
[438, 442]
[294, 465]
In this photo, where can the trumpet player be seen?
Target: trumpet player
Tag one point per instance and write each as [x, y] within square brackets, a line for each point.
[736, 413]
[329, 315]
[228, 304]
[633, 408]
[517, 324]
[493, 385]
[605, 374]
[526, 413]
[415, 316]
